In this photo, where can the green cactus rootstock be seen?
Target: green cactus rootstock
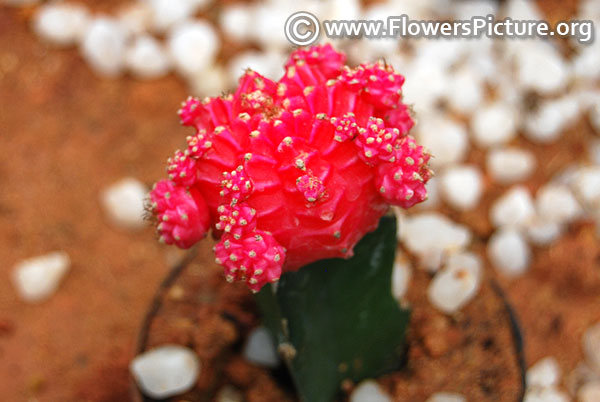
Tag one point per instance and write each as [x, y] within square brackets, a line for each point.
[336, 320]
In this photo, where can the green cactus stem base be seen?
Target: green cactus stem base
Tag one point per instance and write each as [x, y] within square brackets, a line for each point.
[336, 320]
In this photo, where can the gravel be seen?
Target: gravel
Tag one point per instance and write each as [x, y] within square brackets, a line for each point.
[456, 284]
[193, 45]
[446, 397]
[510, 164]
[103, 46]
[444, 138]
[38, 278]
[556, 203]
[509, 252]
[369, 391]
[589, 392]
[123, 203]
[544, 373]
[462, 186]
[591, 346]
[514, 208]
[61, 23]
[401, 275]
[494, 124]
[551, 119]
[146, 58]
[431, 236]
[260, 350]
[165, 371]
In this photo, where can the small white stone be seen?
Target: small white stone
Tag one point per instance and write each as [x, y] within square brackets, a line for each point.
[522, 10]
[446, 397]
[580, 375]
[541, 68]
[136, 17]
[542, 232]
[466, 90]
[37, 278]
[61, 23]
[103, 46]
[544, 373]
[444, 138]
[268, 25]
[229, 394]
[123, 203]
[208, 82]
[587, 186]
[267, 64]
[494, 124]
[461, 186]
[401, 275]
[369, 391]
[509, 252]
[510, 164]
[589, 392]
[146, 58]
[165, 371]
[514, 208]
[193, 45]
[586, 63]
[168, 13]
[551, 118]
[260, 349]
[545, 395]
[455, 284]
[591, 346]
[433, 195]
[236, 21]
[556, 203]
[431, 236]
[426, 84]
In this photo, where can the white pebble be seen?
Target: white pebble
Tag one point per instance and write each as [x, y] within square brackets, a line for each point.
[123, 203]
[169, 13]
[541, 232]
[165, 371]
[494, 124]
[268, 64]
[369, 391]
[587, 186]
[136, 17]
[510, 164]
[211, 81]
[260, 349]
[544, 373]
[37, 278]
[509, 252]
[455, 284]
[551, 118]
[433, 195]
[103, 46]
[541, 68]
[431, 236]
[236, 21]
[586, 64]
[401, 274]
[268, 23]
[589, 392]
[146, 58]
[461, 186]
[446, 397]
[466, 90]
[229, 394]
[61, 23]
[556, 203]
[545, 395]
[591, 346]
[514, 208]
[444, 138]
[193, 46]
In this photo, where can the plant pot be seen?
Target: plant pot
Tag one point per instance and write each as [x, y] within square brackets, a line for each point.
[477, 352]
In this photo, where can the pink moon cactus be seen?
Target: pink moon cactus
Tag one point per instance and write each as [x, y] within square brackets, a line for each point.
[293, 171]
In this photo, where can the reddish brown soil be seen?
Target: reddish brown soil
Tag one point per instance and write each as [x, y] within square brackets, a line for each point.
[473, 353]
[66, 134]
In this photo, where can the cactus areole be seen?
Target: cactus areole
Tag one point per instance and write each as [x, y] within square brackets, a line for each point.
[290, 172]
